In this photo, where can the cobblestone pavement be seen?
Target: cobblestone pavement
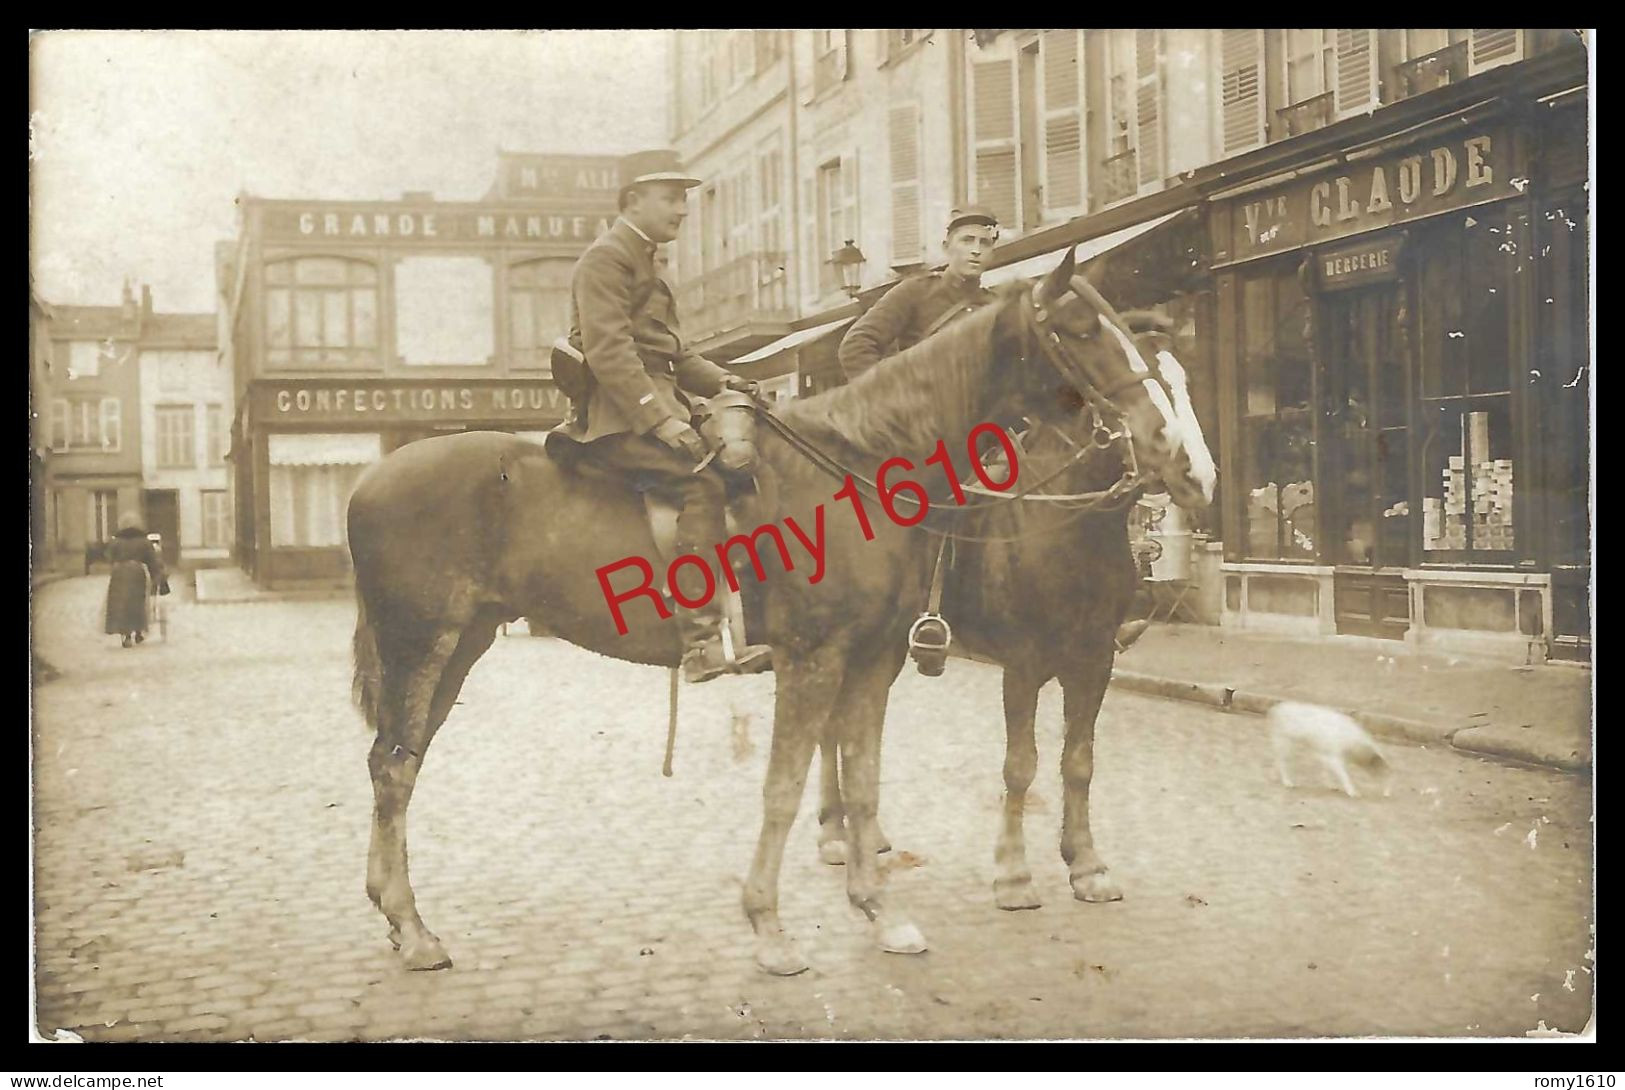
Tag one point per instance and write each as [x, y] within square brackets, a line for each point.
[201, 818]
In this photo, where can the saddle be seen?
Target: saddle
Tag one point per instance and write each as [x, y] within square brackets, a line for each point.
[727, 422]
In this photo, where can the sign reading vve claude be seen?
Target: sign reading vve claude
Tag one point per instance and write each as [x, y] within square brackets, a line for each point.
[1473, 169]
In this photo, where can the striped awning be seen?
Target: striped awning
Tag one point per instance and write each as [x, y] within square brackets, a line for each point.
[1086, 251]
[794, 340]
[340, 449]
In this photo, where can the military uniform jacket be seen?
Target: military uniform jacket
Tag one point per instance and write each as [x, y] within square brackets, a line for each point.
[635, 352]
[903, 316]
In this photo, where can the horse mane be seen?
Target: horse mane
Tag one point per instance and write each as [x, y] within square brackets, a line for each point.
[897, 405]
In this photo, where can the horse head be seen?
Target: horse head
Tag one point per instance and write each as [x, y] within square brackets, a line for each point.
[1109, 374]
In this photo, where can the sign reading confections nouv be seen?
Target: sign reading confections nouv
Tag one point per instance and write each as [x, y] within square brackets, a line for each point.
[382, 402]
[1440, 176]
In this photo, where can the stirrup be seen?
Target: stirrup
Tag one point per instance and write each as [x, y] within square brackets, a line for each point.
[928, 640]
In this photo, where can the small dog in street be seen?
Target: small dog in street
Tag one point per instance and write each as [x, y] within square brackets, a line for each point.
[1332, 738]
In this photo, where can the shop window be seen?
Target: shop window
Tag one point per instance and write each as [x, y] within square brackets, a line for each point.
[1277, 424]
[538, 311]
[311, 479]
[1466, 269]
[321, 312]
[176, 436]
[1563, 318]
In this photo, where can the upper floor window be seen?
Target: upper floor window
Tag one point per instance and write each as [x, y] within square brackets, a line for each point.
[897, 42]
[86, 424]
[769, 47]
[741, 56]
[837, 215]
[321, 312]
[85, 359]
[538, 310]
[1329, 74]
[176, 436]
[829, 59]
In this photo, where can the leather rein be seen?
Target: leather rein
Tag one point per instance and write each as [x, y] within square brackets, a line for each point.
[1037, 328]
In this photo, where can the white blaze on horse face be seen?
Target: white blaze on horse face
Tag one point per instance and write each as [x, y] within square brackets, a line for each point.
[1159, 398]
[1202, 467]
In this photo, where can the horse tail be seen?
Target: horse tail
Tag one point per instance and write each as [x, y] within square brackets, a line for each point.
[368, 674]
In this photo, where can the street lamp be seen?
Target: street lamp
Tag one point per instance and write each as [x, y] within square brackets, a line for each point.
[848, 261]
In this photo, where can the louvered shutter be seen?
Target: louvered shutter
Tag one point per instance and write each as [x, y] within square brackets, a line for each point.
[1148, 105]
[1062, 57]
[1241, 57]
[904, 123]
[994, 135]
[843, 53]
[1356, 71]
[1491, 48]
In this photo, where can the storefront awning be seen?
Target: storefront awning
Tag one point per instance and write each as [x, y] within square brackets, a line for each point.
[335, 449]
[794, 340]
[1086, 251]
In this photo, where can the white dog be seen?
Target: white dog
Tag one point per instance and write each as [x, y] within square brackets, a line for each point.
[1334, 739]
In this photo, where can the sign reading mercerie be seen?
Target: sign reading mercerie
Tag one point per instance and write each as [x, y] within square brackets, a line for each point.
[1474, 169]
[386, 402]
[1370, 261]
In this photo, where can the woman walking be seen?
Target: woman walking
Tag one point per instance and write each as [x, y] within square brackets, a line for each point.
[132, 557]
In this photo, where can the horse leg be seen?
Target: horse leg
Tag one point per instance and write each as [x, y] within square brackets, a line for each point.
[863, 712]
[416, 701]
[1083, 687]
[805, 694]
[1013, 882]
[831, 814]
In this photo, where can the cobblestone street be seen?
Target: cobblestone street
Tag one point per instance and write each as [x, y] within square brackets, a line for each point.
[202, 810]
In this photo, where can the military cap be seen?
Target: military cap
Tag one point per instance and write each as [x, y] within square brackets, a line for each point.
[654, 166]
[975, 213]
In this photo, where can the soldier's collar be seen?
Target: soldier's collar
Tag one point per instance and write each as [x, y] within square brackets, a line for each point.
[634, 229]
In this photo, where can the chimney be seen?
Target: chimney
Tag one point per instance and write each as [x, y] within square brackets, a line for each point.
[128, 303]
[146, 301]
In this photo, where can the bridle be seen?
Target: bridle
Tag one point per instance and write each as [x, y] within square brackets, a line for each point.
[1109, 427]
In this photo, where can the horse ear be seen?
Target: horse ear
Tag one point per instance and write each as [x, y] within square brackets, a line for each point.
[1059, 280]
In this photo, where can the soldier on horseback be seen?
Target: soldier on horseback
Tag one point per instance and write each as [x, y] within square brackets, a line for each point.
[630, 394]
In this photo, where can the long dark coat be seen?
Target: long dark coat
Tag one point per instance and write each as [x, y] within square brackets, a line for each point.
[132, 557]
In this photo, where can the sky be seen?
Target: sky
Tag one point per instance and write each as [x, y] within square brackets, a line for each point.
[140, 141]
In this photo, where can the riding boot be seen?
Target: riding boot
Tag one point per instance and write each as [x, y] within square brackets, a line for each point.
[704, 656]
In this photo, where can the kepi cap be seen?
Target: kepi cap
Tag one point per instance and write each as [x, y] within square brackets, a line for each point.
[974, 213]
[662, 165]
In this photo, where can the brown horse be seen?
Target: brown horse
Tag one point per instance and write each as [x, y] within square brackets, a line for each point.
[1040, 586]
[451, 536]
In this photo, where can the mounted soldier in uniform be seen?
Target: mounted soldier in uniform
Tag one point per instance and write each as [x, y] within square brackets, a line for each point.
[630, 379]
[920, 305]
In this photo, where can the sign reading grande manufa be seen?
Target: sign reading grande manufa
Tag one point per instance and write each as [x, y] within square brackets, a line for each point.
[417, 224]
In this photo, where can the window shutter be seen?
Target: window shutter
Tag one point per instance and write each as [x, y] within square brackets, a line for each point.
[1491, 48]
[1356, 71]
[1241, 56]
[843, 54]
[1148, 105]
[905, 183]
[849, 196]
[61, 430]
[112, 424]
[1062, 58]
[993, 119]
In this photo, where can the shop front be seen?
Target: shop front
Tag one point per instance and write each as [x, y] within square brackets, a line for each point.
[1389, 447]
[312, 439]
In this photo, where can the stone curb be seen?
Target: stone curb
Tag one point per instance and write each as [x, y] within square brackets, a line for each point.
[1477, 741]
[1392, 727]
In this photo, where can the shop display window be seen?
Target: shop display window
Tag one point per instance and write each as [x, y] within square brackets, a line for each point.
[1466, 270]
[538, 310]
[1277, 437]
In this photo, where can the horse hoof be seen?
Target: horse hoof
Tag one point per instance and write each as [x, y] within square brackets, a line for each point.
[885, 846]
[902, 938]
[394, 939]
[426, 956]
[1016, 894]
[832, 853]
[1097, 888]
[779, 957]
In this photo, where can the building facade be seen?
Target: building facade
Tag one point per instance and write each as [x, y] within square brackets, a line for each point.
[358, 326]
[185, 405]
[1373, 244]
[91, 424]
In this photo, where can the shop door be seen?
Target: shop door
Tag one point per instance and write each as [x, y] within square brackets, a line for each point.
[164, 517]
[1363, 460]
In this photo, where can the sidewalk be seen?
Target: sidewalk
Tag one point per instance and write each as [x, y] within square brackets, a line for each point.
[230, 584]
[1537, 714]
